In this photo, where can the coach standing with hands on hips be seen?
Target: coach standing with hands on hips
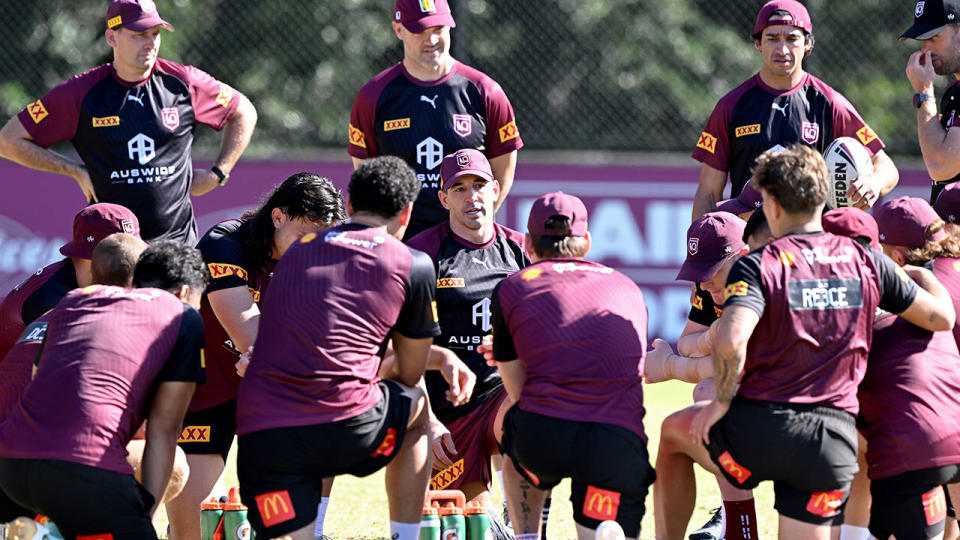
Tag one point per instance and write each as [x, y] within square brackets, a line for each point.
[132, 122]
[935, 23]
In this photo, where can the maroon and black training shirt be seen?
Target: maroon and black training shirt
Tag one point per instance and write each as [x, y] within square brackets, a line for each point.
[135, 138]
[335, 299]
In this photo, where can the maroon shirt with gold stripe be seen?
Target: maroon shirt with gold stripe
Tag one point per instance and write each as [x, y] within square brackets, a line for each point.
[580, 329]
[135, 138]
[909, 412]
[755, 117]
[335, 298]
[106, 351]
[816, 294]
[396, 114]
[229, 265]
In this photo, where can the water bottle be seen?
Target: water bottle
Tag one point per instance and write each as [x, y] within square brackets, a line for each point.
[235, 524]
[452, 524]
[211, 520]
[478, 522]
[430, 524]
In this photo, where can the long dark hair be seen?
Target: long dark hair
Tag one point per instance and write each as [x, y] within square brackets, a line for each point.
[303, 195]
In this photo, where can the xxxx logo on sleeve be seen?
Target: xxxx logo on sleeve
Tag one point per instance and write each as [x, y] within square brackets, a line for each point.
[708, 142]
[509, 131]
[219, 270]
[224, 95]
[37, 111]
[752, 129]
[450, 283]
[275, 507]
[866, 135]
[399, 123]
[601, 504]
[356, 137]
[106, 121]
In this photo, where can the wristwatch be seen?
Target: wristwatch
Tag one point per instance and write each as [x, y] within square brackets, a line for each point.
[920, 98]
[223, 177]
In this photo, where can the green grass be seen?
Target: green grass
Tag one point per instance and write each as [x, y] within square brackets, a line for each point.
[358, 507]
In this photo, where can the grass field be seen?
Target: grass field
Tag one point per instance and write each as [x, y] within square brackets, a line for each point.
[358, 507]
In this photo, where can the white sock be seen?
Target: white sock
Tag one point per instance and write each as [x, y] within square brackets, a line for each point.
[528, 536]
[499, 474]
[404, 531]
[321, 514]
[851, 532]
[723, 520]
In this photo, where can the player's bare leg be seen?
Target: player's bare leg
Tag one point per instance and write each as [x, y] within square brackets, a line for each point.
[326, 488]
[525, 503]
[408, 474]
[675, 490]
[184, 511]
[792, 529]
[856, 515]
[178, 476]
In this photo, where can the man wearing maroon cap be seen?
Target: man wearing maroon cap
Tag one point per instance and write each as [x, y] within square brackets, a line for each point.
[428, 106]
[112, 357]
[805, 303]
[471, 255]
[780, 105]
[935, 24]
[909, 410]
[132, 123]
[572, 364]
[41, 291]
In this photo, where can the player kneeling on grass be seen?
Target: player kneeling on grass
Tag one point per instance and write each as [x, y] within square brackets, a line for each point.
[908, 398]
[241, 255]
[112, 356]
[805, 303]
[569, 340]
[311, 405]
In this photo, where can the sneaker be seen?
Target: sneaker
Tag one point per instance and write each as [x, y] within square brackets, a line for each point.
[712, 529]
[500, 530]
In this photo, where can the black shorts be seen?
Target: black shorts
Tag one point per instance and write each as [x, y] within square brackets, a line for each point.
[280, 470]
[80, 499]
[911, 505]
[608, 465]
[210, 430]
[808, 451]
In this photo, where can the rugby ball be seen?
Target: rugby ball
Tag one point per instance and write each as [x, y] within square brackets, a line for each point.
[847, 160]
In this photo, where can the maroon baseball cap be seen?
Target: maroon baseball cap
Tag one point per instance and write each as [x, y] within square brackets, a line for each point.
[852, 222]
[557, 203]
[947, 204]
[136, 15]
[903, 222]
[461, 162]
[418, 15]
[748, 201]
[96, 222]
[710, 240]
[800, 17]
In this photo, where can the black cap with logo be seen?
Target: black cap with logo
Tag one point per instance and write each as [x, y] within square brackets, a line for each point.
[930, 16]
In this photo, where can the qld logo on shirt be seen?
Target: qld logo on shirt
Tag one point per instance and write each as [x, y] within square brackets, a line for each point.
[171, 117]
[462, 124]
[810, 132]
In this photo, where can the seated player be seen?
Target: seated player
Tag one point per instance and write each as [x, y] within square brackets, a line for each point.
[44, 288]
[111, 358]
[572, 365]
[240, 254]
[311, 405]
[808, 350]
[471, 254]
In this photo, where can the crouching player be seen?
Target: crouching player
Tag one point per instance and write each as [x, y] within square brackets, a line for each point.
[311, 405]
[112, 356]
[569, 340]
[908, 397]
